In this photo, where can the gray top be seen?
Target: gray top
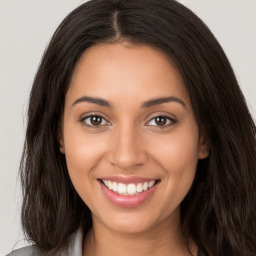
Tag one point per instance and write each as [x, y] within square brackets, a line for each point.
[74, 247]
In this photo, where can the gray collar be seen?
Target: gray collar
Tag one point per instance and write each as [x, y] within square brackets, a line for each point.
[75, 244]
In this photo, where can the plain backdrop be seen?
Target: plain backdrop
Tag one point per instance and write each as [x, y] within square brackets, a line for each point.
[25, 29]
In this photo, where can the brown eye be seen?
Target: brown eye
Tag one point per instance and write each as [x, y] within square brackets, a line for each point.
[94, 120]
[161, 121]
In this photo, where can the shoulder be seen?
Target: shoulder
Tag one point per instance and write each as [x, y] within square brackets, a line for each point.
[26, 251]
[74, 247]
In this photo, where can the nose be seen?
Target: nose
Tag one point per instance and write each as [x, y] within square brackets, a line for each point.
[127, 150]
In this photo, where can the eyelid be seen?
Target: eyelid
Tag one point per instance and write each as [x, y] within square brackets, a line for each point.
[173, 120]
[90, 114]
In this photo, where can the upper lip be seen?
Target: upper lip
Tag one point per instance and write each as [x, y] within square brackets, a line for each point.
[127, 180]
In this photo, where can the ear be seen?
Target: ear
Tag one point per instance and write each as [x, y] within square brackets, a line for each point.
[203, 147]
[61, 140]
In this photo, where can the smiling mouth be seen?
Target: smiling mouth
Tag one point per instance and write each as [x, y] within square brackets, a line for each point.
[130, 189]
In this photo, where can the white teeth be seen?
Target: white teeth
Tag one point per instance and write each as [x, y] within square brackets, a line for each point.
[151, 184]
[115, 188]
[110, 186]
[139, 188]
[145, 186]
[121, 188]
[129, 189]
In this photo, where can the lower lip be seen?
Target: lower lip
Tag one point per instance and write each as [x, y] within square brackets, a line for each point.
[127, 201]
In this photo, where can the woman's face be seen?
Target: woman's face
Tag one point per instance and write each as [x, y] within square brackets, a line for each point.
[128, 123]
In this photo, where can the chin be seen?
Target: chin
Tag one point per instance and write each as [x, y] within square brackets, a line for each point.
[131, 225]
[135, 222]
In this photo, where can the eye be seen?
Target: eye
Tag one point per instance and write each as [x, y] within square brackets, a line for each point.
[94, 120]
[161, 121]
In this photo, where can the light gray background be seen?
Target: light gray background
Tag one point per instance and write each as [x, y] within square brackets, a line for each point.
[25, 29]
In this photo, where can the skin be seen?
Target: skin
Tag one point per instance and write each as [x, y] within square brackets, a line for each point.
[129, 142]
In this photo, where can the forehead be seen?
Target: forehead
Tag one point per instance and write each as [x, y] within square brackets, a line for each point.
[126, 70]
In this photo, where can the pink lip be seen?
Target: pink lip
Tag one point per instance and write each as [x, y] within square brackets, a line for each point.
[127, 180]
[127, 201]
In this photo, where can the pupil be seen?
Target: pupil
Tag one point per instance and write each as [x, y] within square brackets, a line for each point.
[161, 120]
[96, 120]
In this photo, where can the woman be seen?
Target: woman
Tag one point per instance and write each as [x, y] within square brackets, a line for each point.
[139, 140]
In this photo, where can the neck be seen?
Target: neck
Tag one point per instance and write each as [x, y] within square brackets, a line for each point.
[165, 239]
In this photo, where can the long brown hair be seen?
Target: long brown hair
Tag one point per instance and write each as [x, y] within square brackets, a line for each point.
[219, 211]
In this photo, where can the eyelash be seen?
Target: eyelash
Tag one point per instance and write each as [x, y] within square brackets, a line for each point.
[83, 120]
[171, 121]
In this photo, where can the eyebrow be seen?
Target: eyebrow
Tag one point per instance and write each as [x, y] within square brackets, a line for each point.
[146, 104]
[98, 101]
[162, 100]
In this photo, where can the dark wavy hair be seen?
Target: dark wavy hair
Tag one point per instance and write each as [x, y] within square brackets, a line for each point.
[219, 210]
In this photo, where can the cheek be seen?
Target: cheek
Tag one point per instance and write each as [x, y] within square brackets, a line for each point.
[83, 154]
[177, 156]
[82, 149]
[177, 149]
